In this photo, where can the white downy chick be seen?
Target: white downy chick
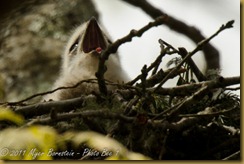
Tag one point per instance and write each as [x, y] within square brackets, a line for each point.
[80, 62]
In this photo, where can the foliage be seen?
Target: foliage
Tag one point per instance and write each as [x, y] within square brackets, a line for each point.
[44, 143]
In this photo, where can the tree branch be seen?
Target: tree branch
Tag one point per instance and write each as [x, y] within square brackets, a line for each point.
[188, 89]
[70, 104]
[199, 75]
[114, 47]
[203, 89]
[188, 119]
[48, 92]
[211, 54]
[199, 47]
[152, 66]
[106, 114]
[46, 107]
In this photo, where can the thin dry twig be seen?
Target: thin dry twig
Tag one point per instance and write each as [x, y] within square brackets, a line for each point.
[48, 92]
[211, 54]
[233, 89]
[46, 107]
[222, 112]
[105, 114]
[194, 68]
[114, 46]
[203, 89]
[199, 47]
[188, 89]
[234, 156]
[188, 119]
[152, 66]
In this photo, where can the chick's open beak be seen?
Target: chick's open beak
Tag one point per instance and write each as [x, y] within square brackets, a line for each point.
[93, 38]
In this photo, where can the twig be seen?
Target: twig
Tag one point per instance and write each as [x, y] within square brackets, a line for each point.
[130, 104]
[199, 47]
[162, 54]
[188, 89]
[163, 149]
[46, 107]
[94, 81]
[212, 114]
[70, 104]
[119, 124]
[162, 42]
[234, 156]
[158, 77]
[199, 75]
[233, 89]
[187, 120]
[182, 90]
[144, 74]
[190, 100]
[48, 92]
[210, 52]
[114, 46]
[105, 114]
[205, 88]
[153, 65]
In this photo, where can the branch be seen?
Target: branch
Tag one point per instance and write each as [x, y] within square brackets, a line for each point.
[58, 106]
[188, 119]
[106, 114]
[206, 87]
[153, 65]
[155, 79]
[199, 47]
[233, 89]
[207, 114]
[234, 156]
[114, 47]
[182, 90]
[199, 75]
[188, 89]
[211, 53]
[144, 74]
[48, 92]
[188, 101]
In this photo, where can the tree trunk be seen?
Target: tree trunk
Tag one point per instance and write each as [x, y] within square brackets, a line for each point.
[32, 38]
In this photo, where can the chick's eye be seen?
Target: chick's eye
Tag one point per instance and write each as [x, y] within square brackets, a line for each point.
[74, 46]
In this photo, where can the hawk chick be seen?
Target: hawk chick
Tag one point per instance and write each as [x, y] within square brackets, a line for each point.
[80, 62]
